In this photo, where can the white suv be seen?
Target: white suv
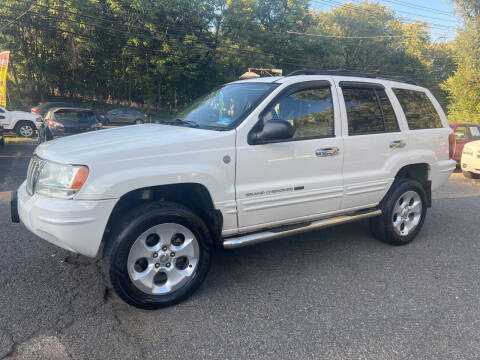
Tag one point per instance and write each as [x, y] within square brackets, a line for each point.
[23, 123]
[252, 161]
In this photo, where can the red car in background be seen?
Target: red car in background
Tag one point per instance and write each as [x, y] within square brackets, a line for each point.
[464, 133]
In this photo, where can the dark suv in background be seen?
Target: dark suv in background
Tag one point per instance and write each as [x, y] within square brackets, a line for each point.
[67, 121]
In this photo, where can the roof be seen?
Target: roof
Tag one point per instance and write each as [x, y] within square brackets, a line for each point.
[341, 74]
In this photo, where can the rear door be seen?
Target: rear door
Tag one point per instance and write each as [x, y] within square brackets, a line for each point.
[373, 136]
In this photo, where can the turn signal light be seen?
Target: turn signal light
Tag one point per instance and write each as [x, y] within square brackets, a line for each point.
[51, 123]
[80, 178]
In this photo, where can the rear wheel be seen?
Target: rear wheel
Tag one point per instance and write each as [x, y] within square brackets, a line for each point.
[25, 129]
[159, 256]
[403, 213]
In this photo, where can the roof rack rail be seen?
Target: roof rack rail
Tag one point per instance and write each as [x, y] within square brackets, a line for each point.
[346, 72]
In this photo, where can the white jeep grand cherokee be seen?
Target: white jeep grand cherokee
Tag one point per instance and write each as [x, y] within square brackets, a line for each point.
[252, 161]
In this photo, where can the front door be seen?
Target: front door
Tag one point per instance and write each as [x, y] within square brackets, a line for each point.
[295, 179]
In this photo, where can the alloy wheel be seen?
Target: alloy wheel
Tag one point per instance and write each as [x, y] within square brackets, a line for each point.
[407, 213]
[26, 130]
[163, 258]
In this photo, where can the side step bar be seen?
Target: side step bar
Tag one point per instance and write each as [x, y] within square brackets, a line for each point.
[258, 237]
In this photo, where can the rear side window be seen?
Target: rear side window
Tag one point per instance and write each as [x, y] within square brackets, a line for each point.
[418, 109]
[369, 111]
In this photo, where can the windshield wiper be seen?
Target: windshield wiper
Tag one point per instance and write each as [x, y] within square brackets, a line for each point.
[182, 122]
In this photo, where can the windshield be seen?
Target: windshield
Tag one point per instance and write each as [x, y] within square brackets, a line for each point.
[225, 105]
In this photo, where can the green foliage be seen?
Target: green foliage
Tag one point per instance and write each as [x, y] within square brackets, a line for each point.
[161, 54]
[464, 86]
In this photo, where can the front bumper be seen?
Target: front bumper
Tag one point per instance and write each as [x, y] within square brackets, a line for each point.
[75, 225]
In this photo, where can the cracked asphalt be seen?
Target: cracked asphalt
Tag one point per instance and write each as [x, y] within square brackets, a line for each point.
[330, 294]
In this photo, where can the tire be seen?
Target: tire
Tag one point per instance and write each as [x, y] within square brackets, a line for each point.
[25, 129]
[393, 211]
[470, 175]
[128, 255]
[139, 121]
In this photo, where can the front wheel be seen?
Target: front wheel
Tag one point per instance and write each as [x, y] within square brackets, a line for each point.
[403, 213]
[159, 255]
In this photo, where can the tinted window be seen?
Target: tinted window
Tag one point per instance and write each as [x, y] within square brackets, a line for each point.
[418, 109]
[369, 111]
[310, 111]
[475, 131]
[74, 115]
[1, 110]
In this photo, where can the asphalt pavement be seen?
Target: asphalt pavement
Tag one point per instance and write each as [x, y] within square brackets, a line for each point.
[336, 293]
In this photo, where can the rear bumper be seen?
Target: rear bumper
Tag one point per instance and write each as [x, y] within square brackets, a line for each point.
[441, 171]
[75, 225]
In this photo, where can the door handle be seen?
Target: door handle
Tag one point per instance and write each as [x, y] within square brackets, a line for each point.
[398, 144]
[331, 151]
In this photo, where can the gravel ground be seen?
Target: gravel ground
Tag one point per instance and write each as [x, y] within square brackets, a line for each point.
[330, 294]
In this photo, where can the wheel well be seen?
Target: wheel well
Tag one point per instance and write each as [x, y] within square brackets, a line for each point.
[192, 195]
[420, 173]
[20, 122]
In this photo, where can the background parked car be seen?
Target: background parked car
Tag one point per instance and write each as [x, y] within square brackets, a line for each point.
[124, 115]
[67, 121]
[23, 123]
[42, 108]
[464, 133]
[471, 160]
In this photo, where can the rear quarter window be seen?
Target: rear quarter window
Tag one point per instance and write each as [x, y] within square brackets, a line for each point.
[418, 109]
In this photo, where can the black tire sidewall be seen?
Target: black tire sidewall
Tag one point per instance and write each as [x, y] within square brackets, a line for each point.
[402, 187]
[23, 123]
[119, 254]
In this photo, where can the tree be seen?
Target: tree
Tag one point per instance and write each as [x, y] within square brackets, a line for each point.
[464, 86]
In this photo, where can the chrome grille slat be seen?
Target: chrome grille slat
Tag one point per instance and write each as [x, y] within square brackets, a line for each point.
[33, 172]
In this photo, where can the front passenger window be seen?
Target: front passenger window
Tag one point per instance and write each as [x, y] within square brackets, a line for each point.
[309, 111]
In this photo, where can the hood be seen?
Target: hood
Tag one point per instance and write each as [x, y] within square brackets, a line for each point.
[128, 142]
[473, 145]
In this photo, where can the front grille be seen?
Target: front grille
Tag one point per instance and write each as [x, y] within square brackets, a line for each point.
[34, 168]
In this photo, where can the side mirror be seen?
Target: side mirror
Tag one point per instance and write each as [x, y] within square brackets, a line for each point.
[273, 130]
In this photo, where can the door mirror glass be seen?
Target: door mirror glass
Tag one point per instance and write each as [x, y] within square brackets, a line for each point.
[273, 130]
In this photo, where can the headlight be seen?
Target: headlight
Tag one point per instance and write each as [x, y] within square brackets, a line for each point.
[59, 180]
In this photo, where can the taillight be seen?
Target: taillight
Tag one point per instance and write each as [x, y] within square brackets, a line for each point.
[51, 123]
[451, 145]
[35, 111]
